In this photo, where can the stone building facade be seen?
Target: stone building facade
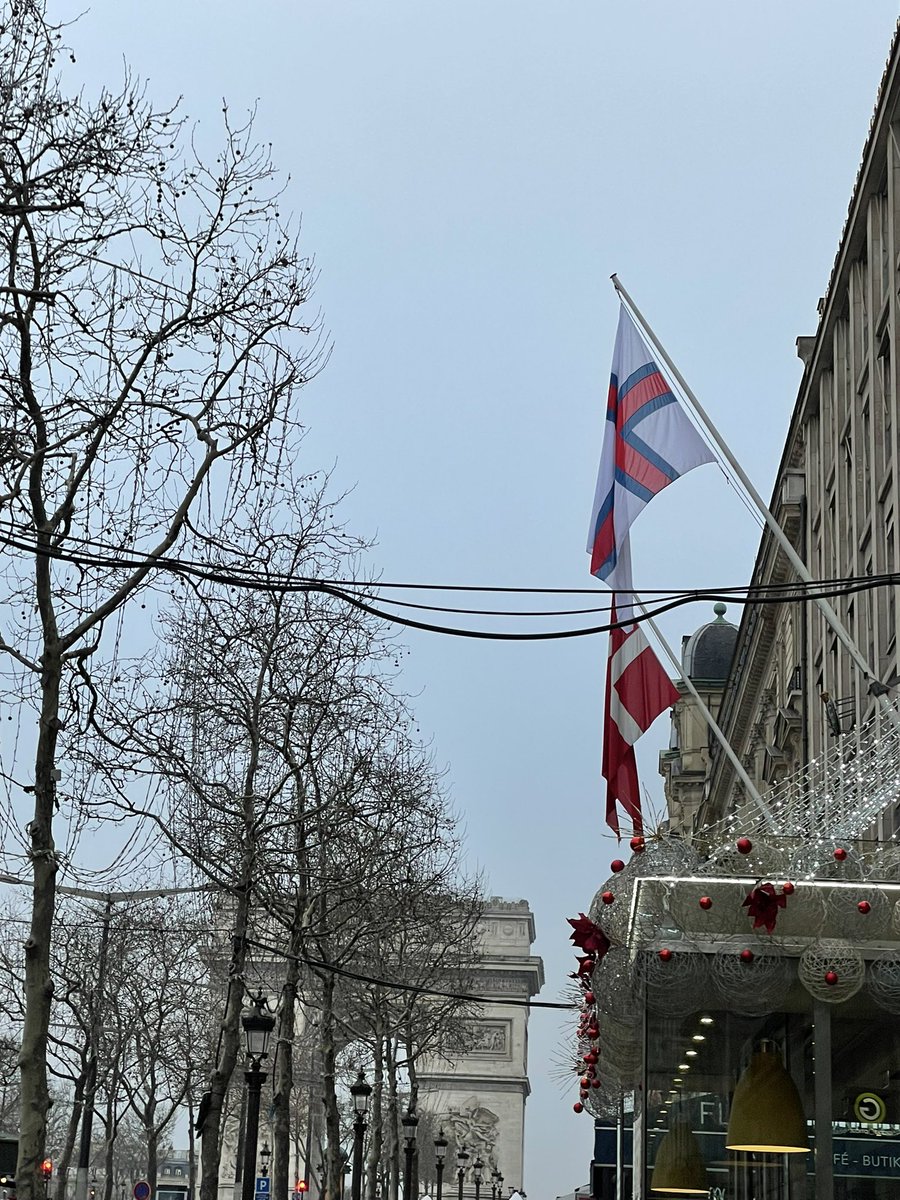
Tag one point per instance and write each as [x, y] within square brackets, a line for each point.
[793, 689]
[479, 1095]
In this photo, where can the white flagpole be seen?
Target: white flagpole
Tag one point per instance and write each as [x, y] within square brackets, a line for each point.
[778, 533]
[730, 753]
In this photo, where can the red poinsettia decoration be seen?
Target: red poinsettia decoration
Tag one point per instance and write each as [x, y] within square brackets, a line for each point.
[762, 904]
[588, 937]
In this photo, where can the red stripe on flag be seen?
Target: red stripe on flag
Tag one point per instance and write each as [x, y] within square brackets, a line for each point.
[648, 389]
[645, 689]
[633, 463]
[604, 543]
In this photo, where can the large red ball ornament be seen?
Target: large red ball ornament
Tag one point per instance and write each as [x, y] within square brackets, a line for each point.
[578, 1107]
[583, 1093]
[589, 997]
[637, 844]
[744, 845]
[831, 978]
[840, 853]
[616, 866]
[706, 903]
[585, 1081]
[607, 897]
[591, 1057]
[596, 1083]
[665, 954]
[864, 907]
[593, 1032]
[788, 888]
[747, 956]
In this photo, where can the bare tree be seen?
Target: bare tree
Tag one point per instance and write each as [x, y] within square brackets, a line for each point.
[148, 358]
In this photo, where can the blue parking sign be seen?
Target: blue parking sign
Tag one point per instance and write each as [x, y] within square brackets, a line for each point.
[262, 1185]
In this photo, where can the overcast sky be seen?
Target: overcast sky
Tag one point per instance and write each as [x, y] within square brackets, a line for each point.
[469, 175]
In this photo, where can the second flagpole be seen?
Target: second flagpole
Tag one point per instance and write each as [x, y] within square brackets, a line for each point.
[799, 566]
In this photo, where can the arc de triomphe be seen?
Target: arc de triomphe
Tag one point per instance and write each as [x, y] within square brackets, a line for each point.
[479, 1097]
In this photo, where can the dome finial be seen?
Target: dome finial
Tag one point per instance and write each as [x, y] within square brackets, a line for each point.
[720, 609]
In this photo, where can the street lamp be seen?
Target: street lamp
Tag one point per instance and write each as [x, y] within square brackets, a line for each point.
[409, 1122]
[258, 1024]
[462, 1157]
[440, 1150]
[265, 1154]
[477, 1176]
[360, 1091]
[496, 1184]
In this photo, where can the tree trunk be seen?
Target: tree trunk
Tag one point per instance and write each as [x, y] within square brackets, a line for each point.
[152, 1153]
[376, 1120]
[283, 1073]
[35, 1097]
[333, 1163]
[392, 1123]
[214, 1099]
[65, 1157]
[192, 1139]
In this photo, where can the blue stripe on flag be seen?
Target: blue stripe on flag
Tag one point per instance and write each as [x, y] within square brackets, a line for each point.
[632, 485]
[635, 377]
[652, 457]
[646, 410]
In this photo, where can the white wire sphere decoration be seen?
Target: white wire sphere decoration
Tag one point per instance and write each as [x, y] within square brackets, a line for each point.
[882, 862]
[895, 919]
[666, 856]
[815, 860]
[605, 1100]
[755, 987]
[844, 919]
[614, 986]
[762, 861]
[884, 981]
[843, 959]
[804, 914]
[674, 985]
[613, 918]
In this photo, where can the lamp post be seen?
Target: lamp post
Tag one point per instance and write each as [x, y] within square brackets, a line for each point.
[258, 1024]
[462, 1157]
[360, 1091]
[496, 1184]
[440, 1150]
[409, 1121]
[477, 1176]
[264, 1155]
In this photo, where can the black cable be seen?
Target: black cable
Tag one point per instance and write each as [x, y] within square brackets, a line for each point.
[333, 969]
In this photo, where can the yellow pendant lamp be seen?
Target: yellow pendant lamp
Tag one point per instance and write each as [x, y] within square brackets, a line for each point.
[766, 1110]
[679, 1168]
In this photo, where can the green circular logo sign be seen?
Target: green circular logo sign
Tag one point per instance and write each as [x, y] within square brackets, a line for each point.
[869, 1108]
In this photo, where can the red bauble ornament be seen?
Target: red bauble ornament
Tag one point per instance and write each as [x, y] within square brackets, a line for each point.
[840, 853]
[864, 907]
[596, 1083]
[706, 902]
[590, 1057]
[583, 1093]
[589, 997]
[665, 954]
[831, 978]
[637, 844]
[744, 845]
[593, 1032]
[787, 888]
[616, 866]
[585, 1081]
[578, 1107]
[747, 956]
[607, 897]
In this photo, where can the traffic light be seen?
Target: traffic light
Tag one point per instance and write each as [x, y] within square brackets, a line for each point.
[301, 1186]
[47, 1168]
